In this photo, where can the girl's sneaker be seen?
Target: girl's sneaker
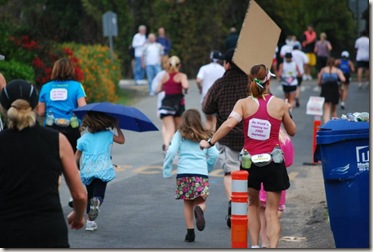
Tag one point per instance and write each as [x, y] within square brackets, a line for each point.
[90, 226]
[94, 208]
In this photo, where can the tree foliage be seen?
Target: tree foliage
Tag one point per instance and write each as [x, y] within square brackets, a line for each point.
[195, 27]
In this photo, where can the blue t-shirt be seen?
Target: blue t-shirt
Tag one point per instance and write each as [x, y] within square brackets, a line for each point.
[344, 66]
[61, 97]
[96, 161]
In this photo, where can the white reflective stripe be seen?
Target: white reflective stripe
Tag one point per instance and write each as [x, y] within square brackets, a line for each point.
[239, 185]
[239, 208]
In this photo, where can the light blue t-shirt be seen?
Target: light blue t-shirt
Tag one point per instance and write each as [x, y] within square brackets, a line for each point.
[61, 97]
[192, 160]
[95, 160]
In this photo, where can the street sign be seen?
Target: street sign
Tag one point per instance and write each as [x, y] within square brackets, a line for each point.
[315, 105]
[358, 7]
[109, 24]
[257, 40]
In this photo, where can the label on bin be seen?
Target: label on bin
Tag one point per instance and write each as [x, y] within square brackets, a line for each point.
[362, 158]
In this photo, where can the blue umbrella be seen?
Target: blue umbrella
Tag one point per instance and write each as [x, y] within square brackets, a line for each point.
[130, 118]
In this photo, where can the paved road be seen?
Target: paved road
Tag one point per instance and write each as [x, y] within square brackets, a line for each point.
[140, 211]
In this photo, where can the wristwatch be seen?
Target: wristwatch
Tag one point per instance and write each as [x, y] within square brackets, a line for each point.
[209, 141]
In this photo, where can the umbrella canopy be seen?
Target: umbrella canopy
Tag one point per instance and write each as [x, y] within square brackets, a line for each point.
[130, 118]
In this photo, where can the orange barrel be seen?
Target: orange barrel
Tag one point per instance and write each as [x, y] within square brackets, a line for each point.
[239, 219]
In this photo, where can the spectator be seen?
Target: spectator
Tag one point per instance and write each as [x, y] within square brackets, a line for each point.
[231, 40]
[308, 44]
[362, 58]
[206, 77]
[322, 50]
[164, 41]
[138, 43]
[220, 100]
[151, 59]
[32, 158]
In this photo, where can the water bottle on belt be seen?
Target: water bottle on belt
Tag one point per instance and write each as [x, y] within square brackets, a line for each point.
[50, 119]
[277, 155]
[74, 123]
[246, 159]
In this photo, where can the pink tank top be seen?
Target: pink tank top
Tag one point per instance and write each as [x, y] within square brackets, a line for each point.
[261, 131]
[171, 87]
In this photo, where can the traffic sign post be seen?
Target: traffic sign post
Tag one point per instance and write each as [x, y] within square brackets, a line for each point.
[110, 28]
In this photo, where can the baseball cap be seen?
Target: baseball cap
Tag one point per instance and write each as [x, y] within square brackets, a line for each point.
[215, 55]
[228, 55]
[18, 89]
[288, 55]
[345, 54]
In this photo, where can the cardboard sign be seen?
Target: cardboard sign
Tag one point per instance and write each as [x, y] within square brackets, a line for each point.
[257, 41]
[315, 105]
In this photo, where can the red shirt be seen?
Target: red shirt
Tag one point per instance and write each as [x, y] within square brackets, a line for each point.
[261, 131]
[172, 87]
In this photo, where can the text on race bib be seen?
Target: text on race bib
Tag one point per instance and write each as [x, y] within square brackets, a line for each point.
[58, 94]
[259, 129]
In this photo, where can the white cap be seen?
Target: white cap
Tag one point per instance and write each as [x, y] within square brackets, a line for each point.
[2, 57]
[345, 54]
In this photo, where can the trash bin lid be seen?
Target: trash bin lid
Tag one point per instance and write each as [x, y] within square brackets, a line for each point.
[340, 130]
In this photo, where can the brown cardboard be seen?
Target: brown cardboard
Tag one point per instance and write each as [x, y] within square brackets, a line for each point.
[257, 40]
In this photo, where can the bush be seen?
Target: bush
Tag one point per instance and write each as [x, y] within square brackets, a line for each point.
[100, 75]
[15, 70]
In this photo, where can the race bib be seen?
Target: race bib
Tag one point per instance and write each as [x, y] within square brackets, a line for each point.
[259, 129]
[58, 94]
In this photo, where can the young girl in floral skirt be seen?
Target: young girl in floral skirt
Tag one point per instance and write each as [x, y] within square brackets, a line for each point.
[96, 168]
[193, 167]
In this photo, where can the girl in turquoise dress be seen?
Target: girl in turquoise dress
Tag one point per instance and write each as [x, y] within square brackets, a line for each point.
[93, 153]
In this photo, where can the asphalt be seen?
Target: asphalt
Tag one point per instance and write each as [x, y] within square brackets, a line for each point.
[140, 211]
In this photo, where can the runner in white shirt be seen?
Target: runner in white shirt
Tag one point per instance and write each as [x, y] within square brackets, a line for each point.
[206, 77]
[362, 58]
[300, 59]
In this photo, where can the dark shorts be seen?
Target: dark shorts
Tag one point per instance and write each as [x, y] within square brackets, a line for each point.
[330, 91]
[289, 89]
[172, 105]
[362, 64]
[347, 77]
[72, 134]
[274, 177]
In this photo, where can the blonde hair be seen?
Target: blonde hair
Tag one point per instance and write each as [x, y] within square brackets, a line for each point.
[174, 63]
[20, 115]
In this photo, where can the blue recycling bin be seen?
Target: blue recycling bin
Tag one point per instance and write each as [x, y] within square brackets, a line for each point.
[343, 148]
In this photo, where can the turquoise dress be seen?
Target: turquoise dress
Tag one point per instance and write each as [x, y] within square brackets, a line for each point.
[96, 160]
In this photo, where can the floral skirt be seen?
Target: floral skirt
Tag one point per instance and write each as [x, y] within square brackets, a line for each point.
[190, 188]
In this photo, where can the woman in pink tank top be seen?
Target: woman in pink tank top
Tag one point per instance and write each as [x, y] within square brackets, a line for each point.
[262, 115]
[175, 84]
